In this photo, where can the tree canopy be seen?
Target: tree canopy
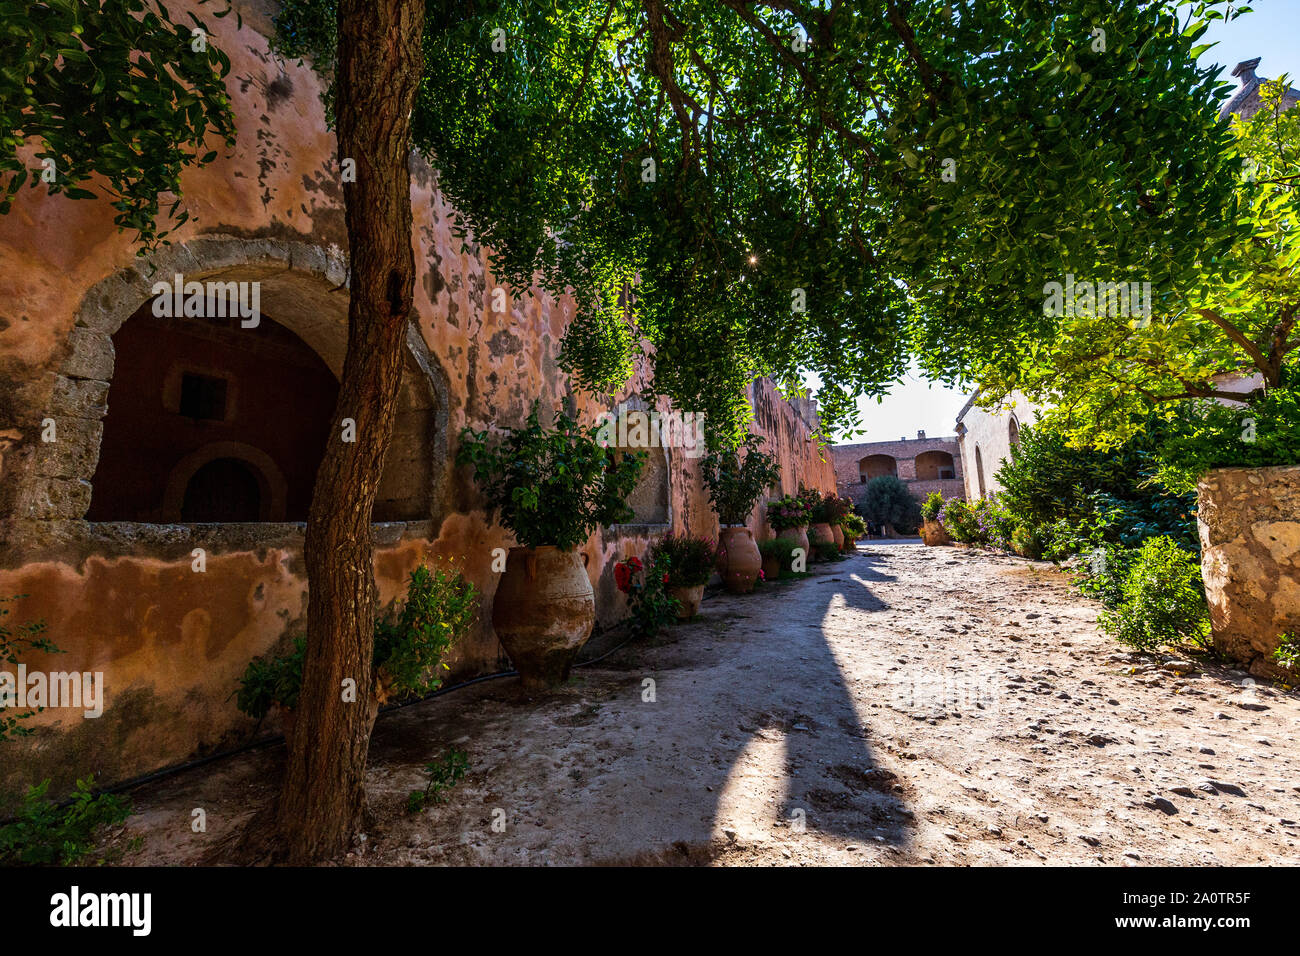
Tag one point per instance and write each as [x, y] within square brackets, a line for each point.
[116, 90]
[784, 188]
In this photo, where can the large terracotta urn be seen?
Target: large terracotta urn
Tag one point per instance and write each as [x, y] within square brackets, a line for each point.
[838, 535]
[688, 600]
[771, 566]
[743, 559]
[799, 536]
[933, 533]
[543, 612]
[820, 533]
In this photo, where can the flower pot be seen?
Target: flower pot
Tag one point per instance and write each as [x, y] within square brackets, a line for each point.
[799, 536]
[838, 535]
[743, 559]
[820, 533]
[850, 545]
[933, 533]
[543, 612]
[771, 567]
[688, 600]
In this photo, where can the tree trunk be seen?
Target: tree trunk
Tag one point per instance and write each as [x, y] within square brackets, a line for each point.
[379, 66]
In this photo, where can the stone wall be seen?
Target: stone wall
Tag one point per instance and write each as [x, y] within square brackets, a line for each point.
[125, 599]
[986, 436]
[1249, 521]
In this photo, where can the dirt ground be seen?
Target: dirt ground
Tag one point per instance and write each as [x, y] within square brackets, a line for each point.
[909, 705]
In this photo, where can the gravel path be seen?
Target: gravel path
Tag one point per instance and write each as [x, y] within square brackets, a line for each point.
[908, 705]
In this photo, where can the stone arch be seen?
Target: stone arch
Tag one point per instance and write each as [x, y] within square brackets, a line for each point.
[305, 288]
[935, 465]
[274, 484]
[873, 466]
[1013, 433]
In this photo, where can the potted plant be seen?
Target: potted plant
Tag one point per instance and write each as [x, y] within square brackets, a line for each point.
[779, 557]
[735, 483]
[853, 527]
[788, 518]
[411, 640]
[932, 530]
[688, 563]
[835, 509]
[551, 487]
[819, 519]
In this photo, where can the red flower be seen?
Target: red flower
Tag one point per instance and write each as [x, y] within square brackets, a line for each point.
[665, 577]
[635, 562]
[623, 576]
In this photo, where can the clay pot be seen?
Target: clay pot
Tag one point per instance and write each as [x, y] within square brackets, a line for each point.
[838, 535]
[933, 533]
[771, 567]
[798, 535]
[820, 533]
[543, 612]
[743, 559]
[850, 545]
[688, 601]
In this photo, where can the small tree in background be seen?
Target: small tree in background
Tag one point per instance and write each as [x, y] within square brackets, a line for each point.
[888, 502]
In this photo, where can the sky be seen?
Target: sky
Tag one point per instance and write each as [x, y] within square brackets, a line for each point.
[1270, 31]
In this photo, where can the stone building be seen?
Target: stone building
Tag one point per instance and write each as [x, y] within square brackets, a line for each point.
[132, 442]
[986, 437]
[1245, 100]
[925, 464]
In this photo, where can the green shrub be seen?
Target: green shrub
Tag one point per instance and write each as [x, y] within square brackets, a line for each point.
[552, 486]
[735, 482]
[958, 519]
[1162, 600]
[852, 525]
[688, 561]
[887, 501]
[932, 505]
[43, 833]
[1027, 541]
[411, 640]
[1205, 435]
[827, 551]
[650, 606]
[1287, 654]
[442, 775]
[1102, 496]
[783, 550]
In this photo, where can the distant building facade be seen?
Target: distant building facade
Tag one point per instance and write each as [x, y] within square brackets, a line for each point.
[986, 437]
[925, 464]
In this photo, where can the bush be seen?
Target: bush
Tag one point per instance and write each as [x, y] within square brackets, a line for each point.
[1102, 496]
[1027, 541]
[887, 501]
[1205, 435]
[688, 561]
[958, 519]
[410, 642]
[44, 833]
[735, 483]
[783, 549]
[932, 505]
[650, 607]
[852, 525]
[552, 486]
[1162, 600]
[442, 775]
[788, 511]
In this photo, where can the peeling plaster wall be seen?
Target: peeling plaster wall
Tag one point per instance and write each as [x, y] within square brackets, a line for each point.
[123, 599]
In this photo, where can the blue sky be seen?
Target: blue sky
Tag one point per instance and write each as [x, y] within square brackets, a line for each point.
[1271, 31]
